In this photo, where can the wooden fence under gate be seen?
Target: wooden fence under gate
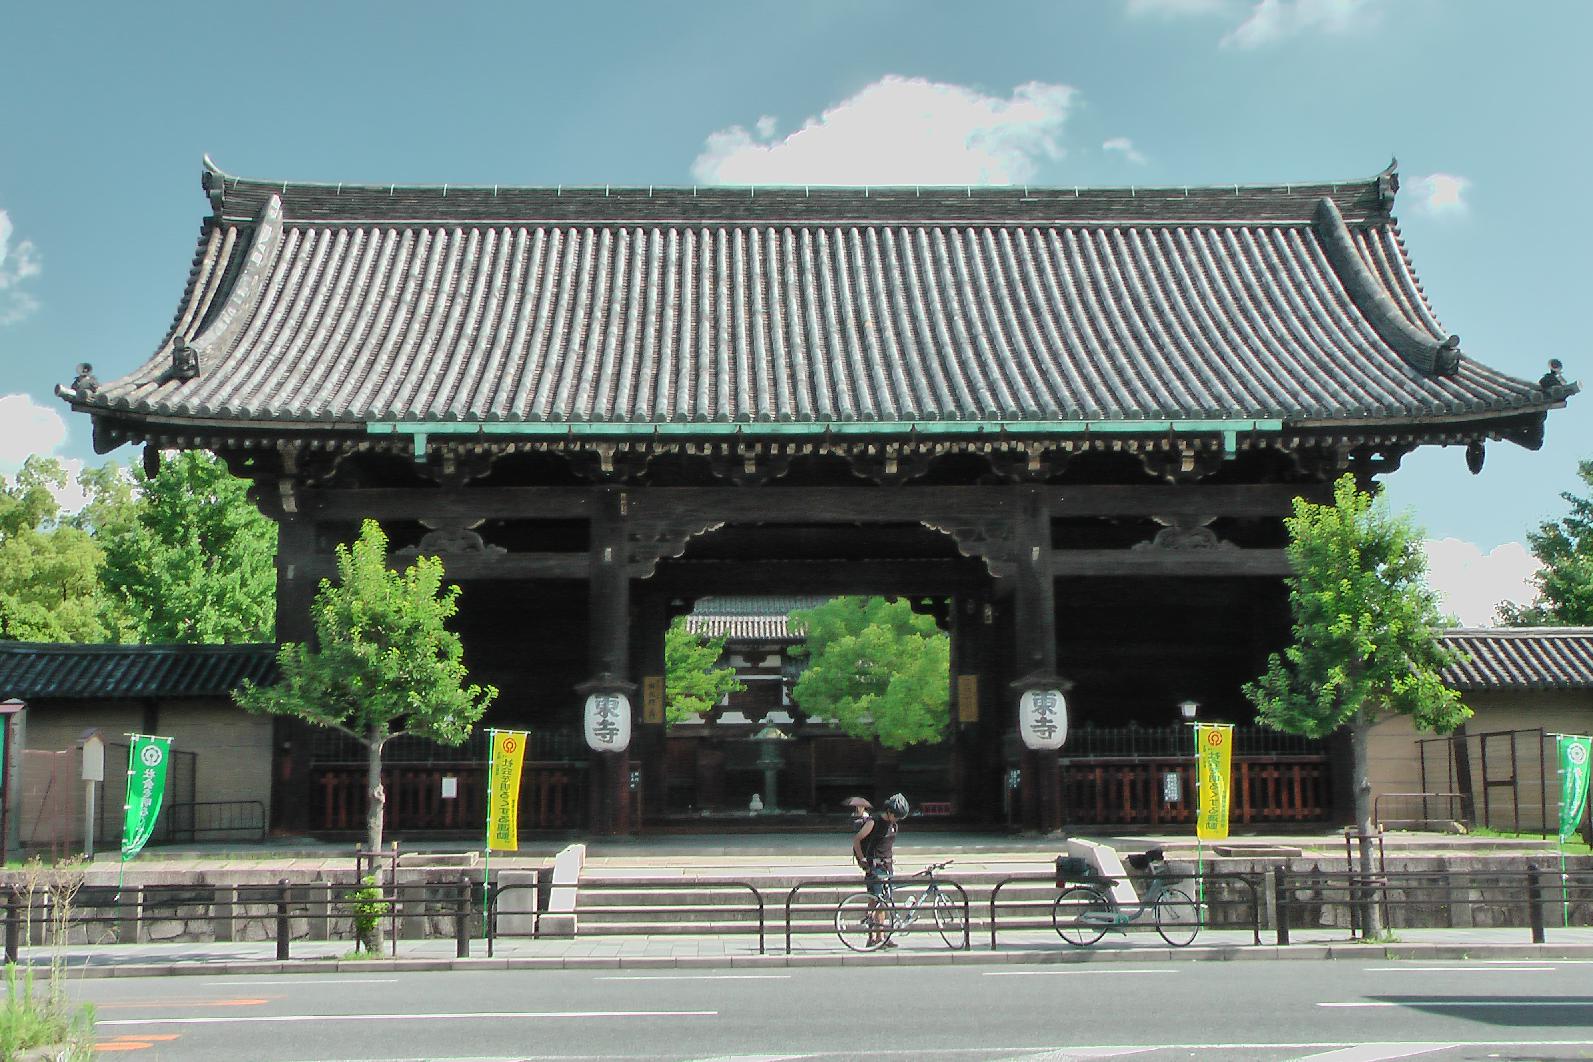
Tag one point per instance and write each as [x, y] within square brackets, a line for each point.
[552, 796]
[1110, 791]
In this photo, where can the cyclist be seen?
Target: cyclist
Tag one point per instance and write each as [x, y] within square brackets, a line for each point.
[873, 847]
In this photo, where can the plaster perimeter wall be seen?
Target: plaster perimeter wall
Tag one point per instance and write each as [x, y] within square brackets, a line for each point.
[1395, 755]
[233, 750]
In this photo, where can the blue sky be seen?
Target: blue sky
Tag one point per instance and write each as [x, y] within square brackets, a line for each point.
[108, 109]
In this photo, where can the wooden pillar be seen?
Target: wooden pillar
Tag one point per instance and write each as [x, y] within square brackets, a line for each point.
[1034, 605]
[291, 788]
[652, 620]
[609, 647]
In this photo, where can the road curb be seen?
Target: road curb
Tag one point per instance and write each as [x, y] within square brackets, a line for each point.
[1227, 953]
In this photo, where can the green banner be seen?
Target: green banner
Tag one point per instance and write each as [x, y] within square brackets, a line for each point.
[1574, 755]
[146, 786]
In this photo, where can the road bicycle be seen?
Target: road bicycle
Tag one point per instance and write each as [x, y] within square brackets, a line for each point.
[1084, 911]
[865, 922]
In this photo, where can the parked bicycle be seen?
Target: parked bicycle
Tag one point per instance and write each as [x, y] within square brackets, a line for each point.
[865, 922]
[1084, 911]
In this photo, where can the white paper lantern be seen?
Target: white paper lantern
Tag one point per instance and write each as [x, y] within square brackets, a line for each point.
[1043, 719]
[608, 722]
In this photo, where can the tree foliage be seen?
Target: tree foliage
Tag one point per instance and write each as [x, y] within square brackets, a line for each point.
[385, 664]
[1365, 638]
[1565, 582]
[196, 562]
[876, 667]
[694, 681]
[50, 588]
[1366, 625]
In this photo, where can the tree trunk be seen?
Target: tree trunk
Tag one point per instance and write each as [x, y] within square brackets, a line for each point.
[375, 816]
[1360, 735]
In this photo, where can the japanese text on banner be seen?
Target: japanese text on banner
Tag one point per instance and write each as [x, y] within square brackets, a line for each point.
[1214, 743]
[1575, 752]
[503, 790]
[146, 788]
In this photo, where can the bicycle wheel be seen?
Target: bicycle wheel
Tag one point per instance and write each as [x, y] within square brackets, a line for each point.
[1177, 918]
[1081, 915]
[855, 925]
[949, 920]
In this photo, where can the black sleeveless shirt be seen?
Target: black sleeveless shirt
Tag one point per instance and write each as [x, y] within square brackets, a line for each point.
[879, 846]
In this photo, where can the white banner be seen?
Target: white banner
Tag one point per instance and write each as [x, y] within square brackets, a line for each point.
[1043, 719]
[608, 722]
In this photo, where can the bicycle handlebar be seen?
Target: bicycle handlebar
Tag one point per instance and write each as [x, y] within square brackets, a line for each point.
[930, 870]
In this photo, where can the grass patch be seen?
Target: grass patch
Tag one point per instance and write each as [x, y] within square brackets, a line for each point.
[1575, 846]
[30, 1019]
[359, 955]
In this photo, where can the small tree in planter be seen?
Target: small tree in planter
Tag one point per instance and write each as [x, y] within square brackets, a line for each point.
[1366, 629]
[384, 666]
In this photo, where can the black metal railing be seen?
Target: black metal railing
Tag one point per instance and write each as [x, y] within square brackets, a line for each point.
[642, 885]
[1213, 907]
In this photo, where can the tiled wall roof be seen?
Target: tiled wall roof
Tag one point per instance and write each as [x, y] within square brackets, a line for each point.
[31, 671]
[1522, 658]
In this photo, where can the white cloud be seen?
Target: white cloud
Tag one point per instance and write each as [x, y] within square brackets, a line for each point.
[1270, 21]
[27, 428]
[900, 131]
[1139, 8]
[1471, 583]
[1122, 145]
[1442, 194]
[17, 264]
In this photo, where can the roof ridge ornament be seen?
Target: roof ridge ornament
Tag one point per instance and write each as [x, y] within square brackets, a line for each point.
[1423, 351]
[1388, 184]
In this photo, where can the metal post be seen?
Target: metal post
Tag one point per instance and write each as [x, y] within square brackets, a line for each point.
[461, 920]
[1281, 896]
[1535, 902]
[13, 924]
[284, 930]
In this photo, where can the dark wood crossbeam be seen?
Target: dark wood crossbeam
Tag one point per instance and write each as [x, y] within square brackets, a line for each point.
[1161, 562]
[804, 504]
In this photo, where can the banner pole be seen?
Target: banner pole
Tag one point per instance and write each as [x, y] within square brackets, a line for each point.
[486, 867]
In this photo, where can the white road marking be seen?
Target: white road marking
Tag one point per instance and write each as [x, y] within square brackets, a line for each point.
[1068, 1054]
[1453, 1003]
[456, 1015]
[700, 977]
[1459, 969]
[747, 1058]
[1376, 1052]
[1056, 973]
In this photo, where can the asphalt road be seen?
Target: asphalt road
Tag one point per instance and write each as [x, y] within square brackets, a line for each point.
[1338, 1011]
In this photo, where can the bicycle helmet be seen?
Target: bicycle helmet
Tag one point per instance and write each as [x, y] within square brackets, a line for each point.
[896, 804]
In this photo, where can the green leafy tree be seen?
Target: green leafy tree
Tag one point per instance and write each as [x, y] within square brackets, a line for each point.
[1366, 636]
[384, 666]
[1565, 582]
[876, 667]
[694, 681]
[49, 567]
[193, 561]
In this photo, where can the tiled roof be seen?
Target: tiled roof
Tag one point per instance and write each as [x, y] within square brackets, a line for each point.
[1521, 658]
[346, 305]
[752, 619]
[32, 670]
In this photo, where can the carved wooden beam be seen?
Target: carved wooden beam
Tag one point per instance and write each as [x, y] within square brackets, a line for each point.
[1273, 563]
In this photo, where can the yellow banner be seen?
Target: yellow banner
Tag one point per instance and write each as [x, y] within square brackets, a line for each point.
[1214, 760]
[503, 790]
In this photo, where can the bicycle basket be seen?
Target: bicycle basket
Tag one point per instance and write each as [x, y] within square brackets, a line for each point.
[1072, 868]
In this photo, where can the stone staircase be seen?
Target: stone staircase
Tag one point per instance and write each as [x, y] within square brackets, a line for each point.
[702, 899]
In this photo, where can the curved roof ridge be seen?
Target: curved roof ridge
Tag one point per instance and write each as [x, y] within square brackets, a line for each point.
[240, 198]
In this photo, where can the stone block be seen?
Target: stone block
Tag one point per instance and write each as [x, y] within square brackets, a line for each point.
[517, 903]
[559, 919]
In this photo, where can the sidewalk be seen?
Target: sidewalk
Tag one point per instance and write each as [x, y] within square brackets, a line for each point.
[811, 949]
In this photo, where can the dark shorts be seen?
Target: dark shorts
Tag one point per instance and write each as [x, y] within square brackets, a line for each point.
[878, 882]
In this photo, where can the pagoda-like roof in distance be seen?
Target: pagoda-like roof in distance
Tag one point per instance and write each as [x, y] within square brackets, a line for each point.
[637, 310]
